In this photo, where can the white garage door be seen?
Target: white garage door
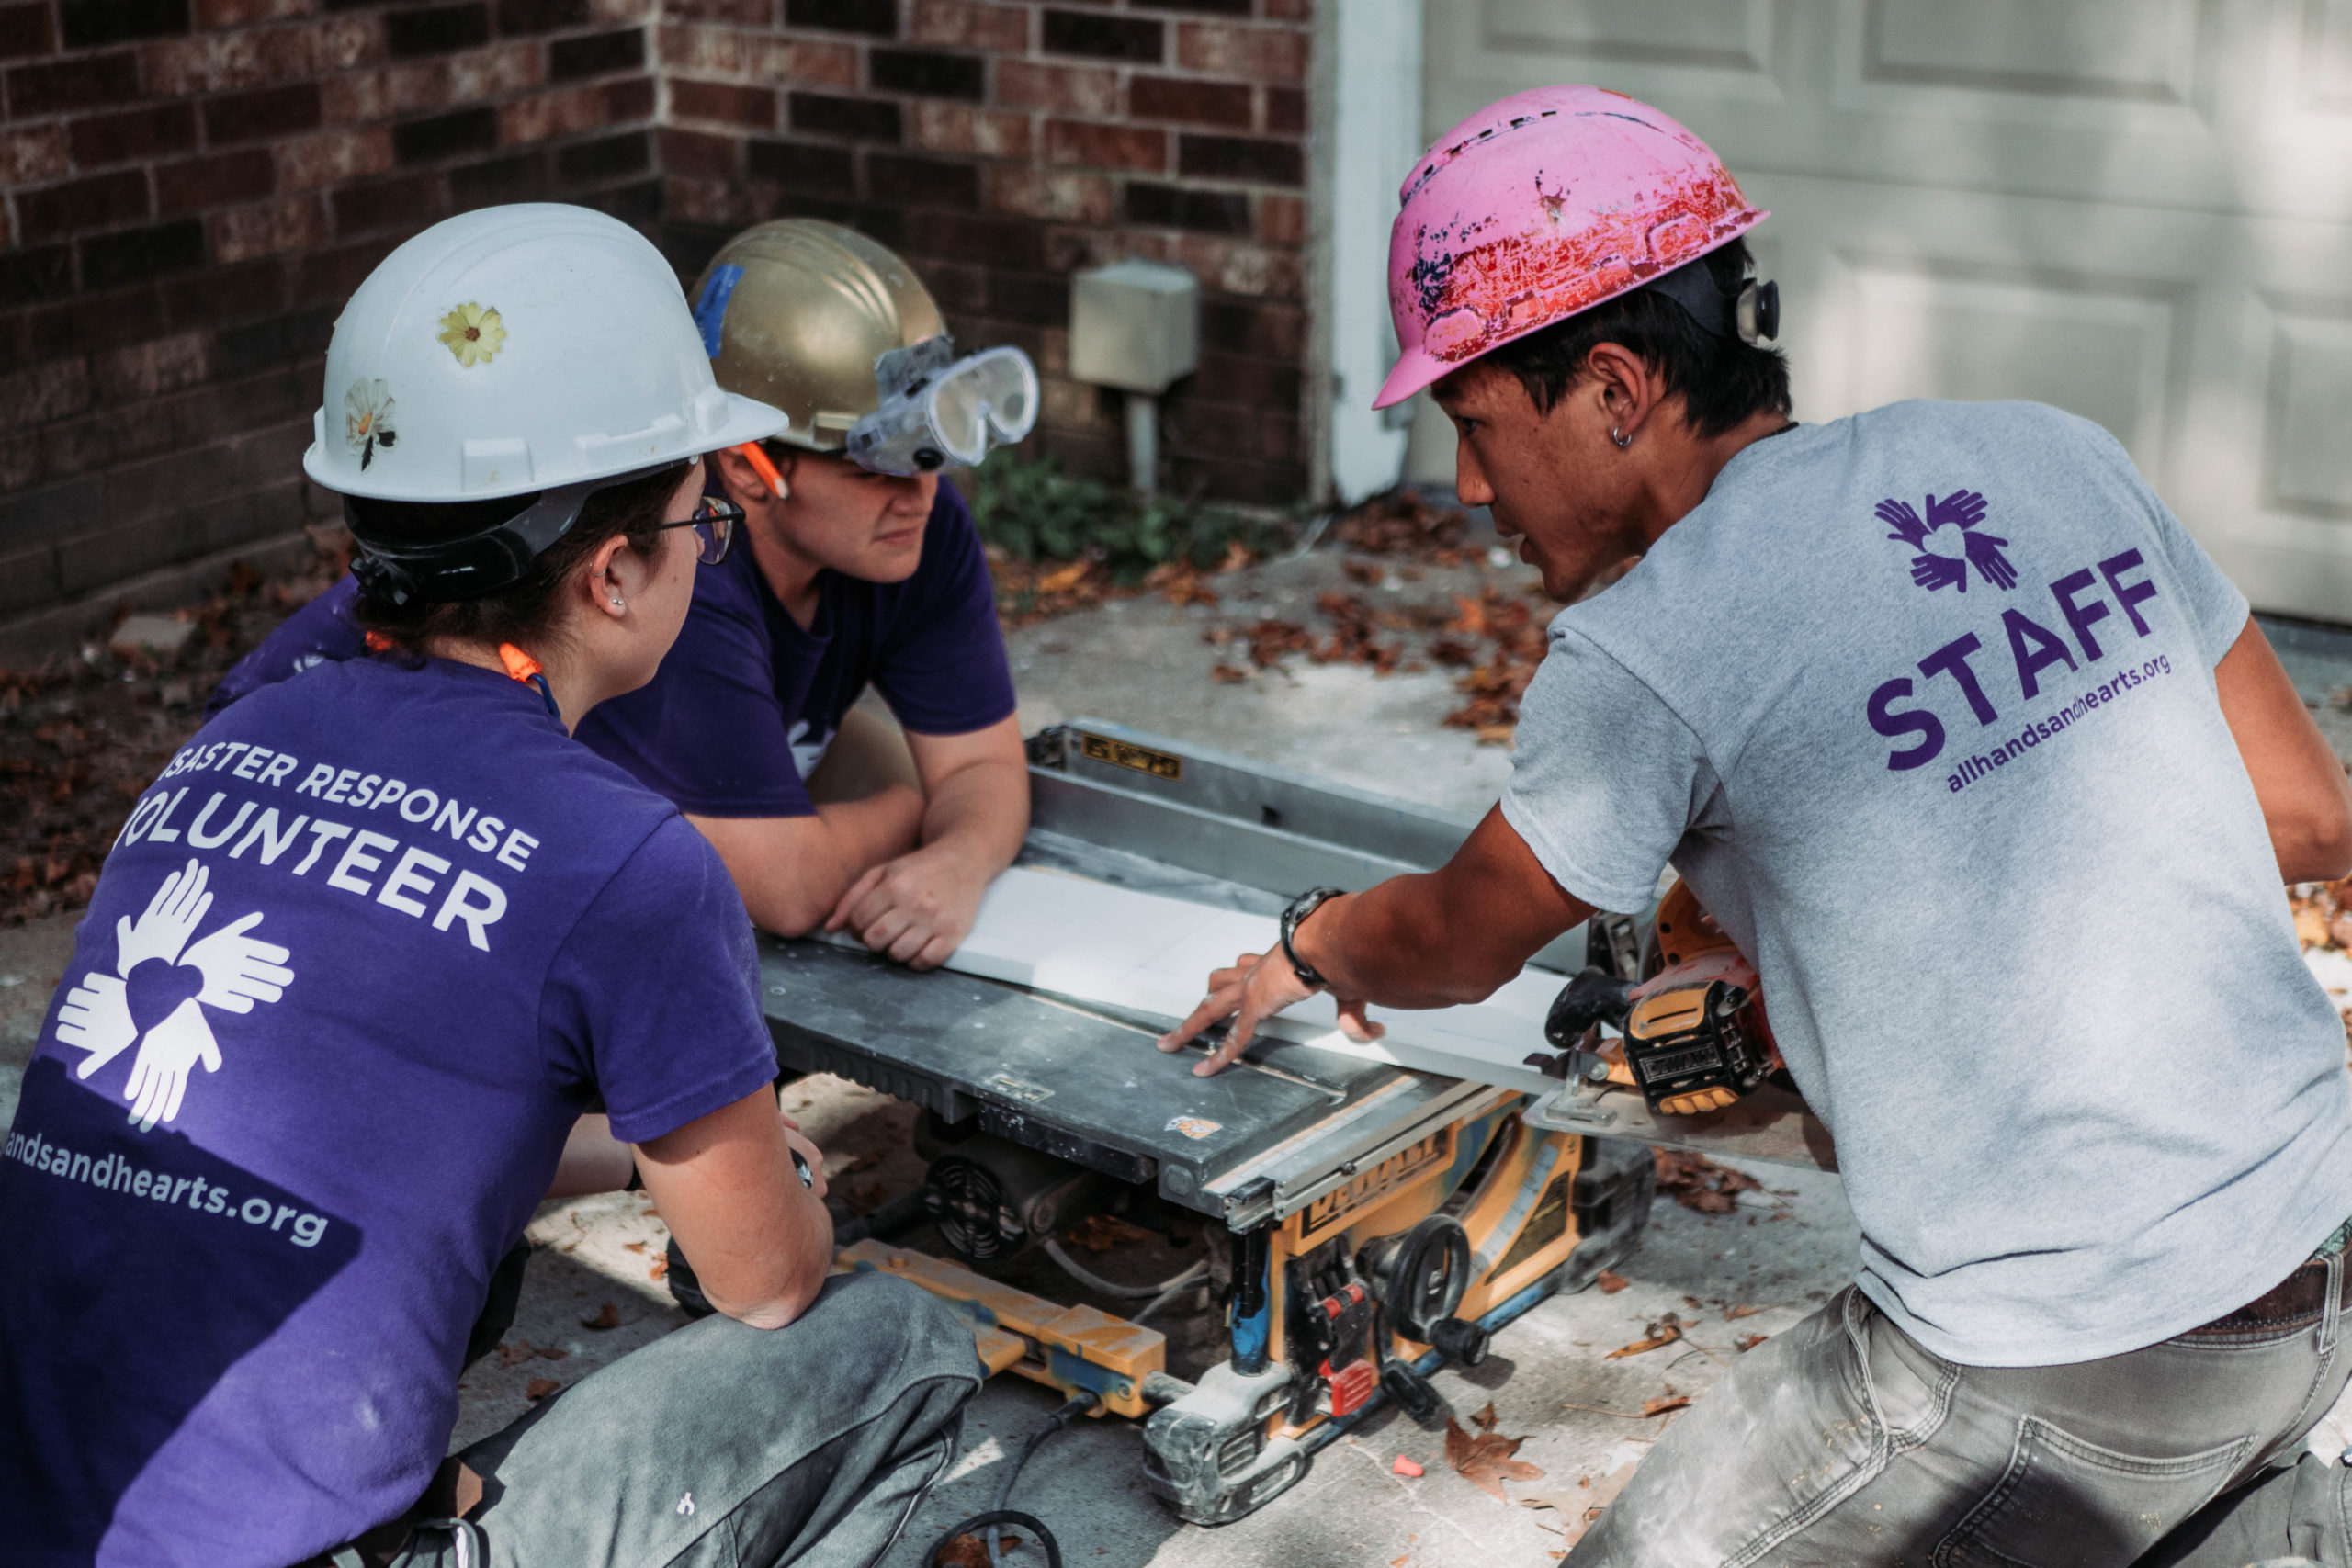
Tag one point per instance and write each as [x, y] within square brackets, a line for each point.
[2137, 209]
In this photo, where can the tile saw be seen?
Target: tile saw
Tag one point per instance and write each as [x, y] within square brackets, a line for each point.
[1358, 1224]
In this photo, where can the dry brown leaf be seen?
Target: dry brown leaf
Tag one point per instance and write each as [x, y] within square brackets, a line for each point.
[1063, 579]
[1610, 1281]
[972, 1550]
[514, 1350]
[1603, 1493]
[1228, 675]
[1734, 1314]
[1486, 1460]
[1697, 1182]
[1750, 1343]
[1400, 1561]
[1487, 1419]
[1664, 1332]
[607, 1316]
[539, 1388]
[1661, 1405]
[658, 1269]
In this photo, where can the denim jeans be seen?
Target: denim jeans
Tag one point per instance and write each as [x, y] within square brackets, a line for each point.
[726, 1447]
[1843, 1442]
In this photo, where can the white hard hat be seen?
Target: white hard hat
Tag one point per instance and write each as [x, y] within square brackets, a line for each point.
[518, 349]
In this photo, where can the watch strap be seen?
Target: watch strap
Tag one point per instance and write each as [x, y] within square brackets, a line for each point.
[1293, 917]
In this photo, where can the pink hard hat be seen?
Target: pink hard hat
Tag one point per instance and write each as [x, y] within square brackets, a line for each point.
[1539, 207]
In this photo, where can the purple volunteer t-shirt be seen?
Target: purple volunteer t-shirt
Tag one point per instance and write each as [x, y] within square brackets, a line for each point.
[747, 701]
[280, 1127]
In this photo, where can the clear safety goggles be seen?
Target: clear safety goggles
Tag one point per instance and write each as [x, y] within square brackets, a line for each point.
[938, 410]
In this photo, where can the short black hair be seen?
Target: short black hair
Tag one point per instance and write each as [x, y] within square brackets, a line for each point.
[1721, 380]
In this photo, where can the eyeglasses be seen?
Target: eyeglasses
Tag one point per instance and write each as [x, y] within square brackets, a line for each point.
[714, 525]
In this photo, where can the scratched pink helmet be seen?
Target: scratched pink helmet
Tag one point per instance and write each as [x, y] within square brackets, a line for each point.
[1539, 207]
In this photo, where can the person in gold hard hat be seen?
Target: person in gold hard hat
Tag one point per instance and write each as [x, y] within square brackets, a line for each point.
[860, 567]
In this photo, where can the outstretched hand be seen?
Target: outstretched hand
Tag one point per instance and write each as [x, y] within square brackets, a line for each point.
[1257, 986]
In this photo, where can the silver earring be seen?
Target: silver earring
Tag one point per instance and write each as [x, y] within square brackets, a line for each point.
[616, 604]
[1619, 438]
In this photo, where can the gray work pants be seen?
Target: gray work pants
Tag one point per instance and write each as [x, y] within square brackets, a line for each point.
[726, 1447]
[1843, 1442]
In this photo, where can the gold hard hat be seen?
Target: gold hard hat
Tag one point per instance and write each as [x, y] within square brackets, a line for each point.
[797, 312]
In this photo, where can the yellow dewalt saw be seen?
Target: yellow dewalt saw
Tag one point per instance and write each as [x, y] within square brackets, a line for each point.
[1694, 1035]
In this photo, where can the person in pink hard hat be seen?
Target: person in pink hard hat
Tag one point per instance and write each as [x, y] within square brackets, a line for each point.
[1906, 698]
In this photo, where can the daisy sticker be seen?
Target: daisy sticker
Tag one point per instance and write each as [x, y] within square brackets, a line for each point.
[368, 420]
[473, 334]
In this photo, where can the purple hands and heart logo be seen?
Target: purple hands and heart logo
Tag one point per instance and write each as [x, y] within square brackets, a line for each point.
[1947, 542]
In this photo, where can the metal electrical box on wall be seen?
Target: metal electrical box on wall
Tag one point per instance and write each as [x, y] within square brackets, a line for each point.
[1135, 325]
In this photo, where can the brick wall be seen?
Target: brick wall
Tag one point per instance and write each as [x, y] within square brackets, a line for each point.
[194, 186]
[1000, 147]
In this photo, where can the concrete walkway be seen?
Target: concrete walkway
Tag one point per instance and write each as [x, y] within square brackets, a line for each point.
[1145, 663]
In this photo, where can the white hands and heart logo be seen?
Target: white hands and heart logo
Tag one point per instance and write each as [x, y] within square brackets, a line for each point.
[161, 983]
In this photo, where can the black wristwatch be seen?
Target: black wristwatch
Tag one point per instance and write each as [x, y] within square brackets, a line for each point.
[1300, 908]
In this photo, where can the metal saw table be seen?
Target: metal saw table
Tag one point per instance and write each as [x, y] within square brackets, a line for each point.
[1272, 1146]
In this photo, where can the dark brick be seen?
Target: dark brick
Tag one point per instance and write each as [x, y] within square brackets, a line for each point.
[1207, 211]
[631, 98]
[224, 294]
[1203, 103]
[922, 182]
[584, 163]
[540, 16]
[103, 139]
[410, 201]
[880, 17]
[437, 30]
[518, 177]
[883, 225]
[1287, 111]
[136, 256]
[198, 183]
[1276, 330]
[24, 30]
[1243, 379]
[1105, 38]
[93, 203]
[445, 135]
[1012, 242]
[929, 72]
[1221, 8]
[754, 106]
[800, 166]
[689, 246]
[99, 81]
[327, 278]
[94, 24]
[870, 119]
[1024, 297]
[1241, 158]
[279, 340]
[263, 115]
[28, 277]
[699, 153]
[598, 54]
[638, 205]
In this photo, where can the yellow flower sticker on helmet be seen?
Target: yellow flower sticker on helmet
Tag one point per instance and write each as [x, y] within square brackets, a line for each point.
[473, 334]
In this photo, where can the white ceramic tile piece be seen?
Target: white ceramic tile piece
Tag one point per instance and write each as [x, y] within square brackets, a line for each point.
[1095, 942]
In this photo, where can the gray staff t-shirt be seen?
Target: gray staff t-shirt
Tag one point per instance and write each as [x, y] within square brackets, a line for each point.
[1921, 703]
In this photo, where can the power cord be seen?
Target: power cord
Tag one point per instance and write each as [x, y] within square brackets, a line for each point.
[1000, 1514]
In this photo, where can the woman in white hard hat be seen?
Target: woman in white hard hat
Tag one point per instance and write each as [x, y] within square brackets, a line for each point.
[863, 570]
[362, 958]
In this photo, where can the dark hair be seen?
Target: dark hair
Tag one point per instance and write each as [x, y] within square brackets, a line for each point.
[523, 611]
[1720, 380]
